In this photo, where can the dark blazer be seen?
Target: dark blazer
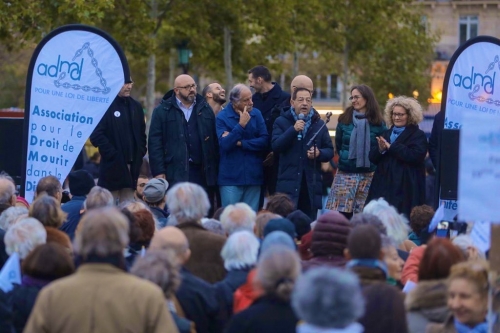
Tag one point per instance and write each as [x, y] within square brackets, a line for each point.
[72, 208]
[267, 314]
[113, 170]
[205, 261]
[400, 174]
[197, 299]
[168, 153]
[293, 157]
[270, 107]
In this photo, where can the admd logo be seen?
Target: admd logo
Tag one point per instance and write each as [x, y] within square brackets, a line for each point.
[73, 70]
[483, 84]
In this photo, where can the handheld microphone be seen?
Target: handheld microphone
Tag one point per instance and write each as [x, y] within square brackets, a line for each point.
[301, 117]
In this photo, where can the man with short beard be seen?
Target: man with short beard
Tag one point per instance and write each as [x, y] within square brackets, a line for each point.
[215, 96]
[182, 141]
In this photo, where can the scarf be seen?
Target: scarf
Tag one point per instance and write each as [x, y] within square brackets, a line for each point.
[371, 263]
[396, 131]
[309, 328]
[480, 328]
[359, 144]
[307, 119]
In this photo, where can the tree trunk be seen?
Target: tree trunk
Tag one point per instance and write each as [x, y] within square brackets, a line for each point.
[228, 66]
[171, 65]
[344, 76]
[150, 90]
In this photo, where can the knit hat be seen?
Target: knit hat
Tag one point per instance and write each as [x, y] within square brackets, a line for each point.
[277, 238]
[80, 182]
[301, 221]
[280, 224]
[330, 234]
[155, 190]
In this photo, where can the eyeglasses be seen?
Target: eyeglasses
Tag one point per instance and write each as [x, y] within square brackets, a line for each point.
[355, 97]
[189, 87]
[399, 115]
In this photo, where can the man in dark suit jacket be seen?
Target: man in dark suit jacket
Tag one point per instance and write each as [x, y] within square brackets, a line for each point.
[121, 139]
[268, 98]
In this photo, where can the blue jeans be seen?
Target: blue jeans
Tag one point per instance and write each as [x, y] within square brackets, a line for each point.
[233, 194]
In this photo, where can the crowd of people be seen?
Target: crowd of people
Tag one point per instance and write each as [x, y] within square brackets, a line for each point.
[226, 231]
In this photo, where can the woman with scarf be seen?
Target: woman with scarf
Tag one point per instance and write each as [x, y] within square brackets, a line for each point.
[400, 157]
[467, 300]
[299, 174]
[356, 134]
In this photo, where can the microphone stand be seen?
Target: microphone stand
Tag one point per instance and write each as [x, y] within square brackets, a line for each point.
[312, 141]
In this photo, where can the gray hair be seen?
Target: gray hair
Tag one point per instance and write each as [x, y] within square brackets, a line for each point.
[187, 202]
[213, 225]
[7, 190]
[365, 218]
[98, 197]
[240, 251]
[396, 224]
[277, 270]
[24, 236]
[387, 242]
[238, 217]
[328, 298]
[161, 268]
[10, 215]
[235, 94]
[464, 242]
[102, 232]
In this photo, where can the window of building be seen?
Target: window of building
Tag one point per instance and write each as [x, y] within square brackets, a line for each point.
[468, 27]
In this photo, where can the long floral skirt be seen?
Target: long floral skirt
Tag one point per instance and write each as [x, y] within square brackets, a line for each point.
[349, 192]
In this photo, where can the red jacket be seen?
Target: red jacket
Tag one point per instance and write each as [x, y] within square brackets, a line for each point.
[410, 269]
[246, 294]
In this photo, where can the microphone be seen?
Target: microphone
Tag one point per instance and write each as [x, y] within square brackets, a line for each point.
[301, 117]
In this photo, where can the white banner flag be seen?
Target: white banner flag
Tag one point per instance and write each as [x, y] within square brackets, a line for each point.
[75, 74]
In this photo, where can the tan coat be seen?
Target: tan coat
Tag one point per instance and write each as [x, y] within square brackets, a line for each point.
[100, 298]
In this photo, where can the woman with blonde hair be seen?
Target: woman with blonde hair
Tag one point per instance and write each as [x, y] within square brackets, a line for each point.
[400, 156]
[467, 300]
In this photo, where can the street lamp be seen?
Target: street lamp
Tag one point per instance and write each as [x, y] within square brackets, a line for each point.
[184, 55]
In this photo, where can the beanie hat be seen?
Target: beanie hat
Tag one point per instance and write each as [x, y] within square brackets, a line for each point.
[155, 190]
[280, 224]
[330, 234]
[301, 221]
[80, 182]
[277, 238]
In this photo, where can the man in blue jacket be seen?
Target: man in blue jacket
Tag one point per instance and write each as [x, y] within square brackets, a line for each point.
[243, 139]
[182, 141]
[300, 163]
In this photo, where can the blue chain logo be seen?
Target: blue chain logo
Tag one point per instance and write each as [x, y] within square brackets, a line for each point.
[73, 71]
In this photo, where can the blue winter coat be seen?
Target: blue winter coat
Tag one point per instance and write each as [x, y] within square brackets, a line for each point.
[342, 142]
[240, 166]
[293, 159]
[73, 209]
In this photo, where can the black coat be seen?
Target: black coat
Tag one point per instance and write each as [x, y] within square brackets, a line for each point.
[293, 157]
[267, 314]
[6, 325]
[168, 153]
[113, 170]
[435, 138]
[199, 302]
[225, 290]
[270, 107]
[22, 300]
[400, 174]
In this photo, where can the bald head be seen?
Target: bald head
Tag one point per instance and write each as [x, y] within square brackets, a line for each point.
[301, 81]
[185, 89]
[171, 238]
[7, 192]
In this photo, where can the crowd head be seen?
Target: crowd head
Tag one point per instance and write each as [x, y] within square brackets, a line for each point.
[187, 202]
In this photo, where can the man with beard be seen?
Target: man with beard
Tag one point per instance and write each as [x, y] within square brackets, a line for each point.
[121, 139]
[182, 141]
[268, 98]
[215, 96]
